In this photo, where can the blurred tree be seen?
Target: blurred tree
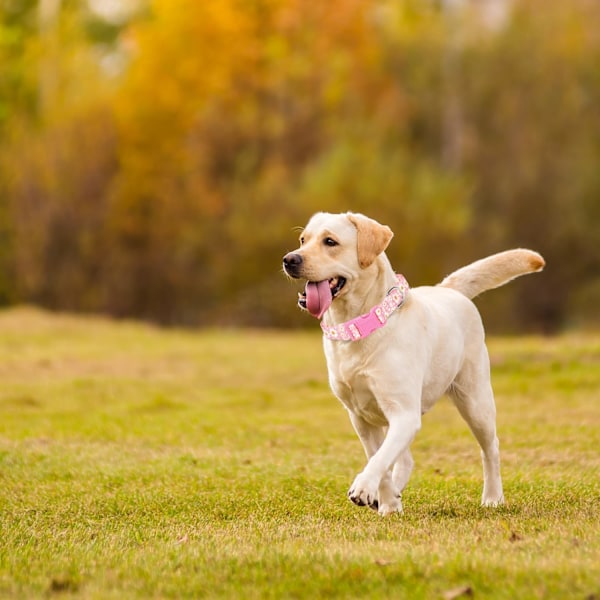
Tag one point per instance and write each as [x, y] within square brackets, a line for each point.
[193, 61]
[17, 89]
[534, 149]
[59, 211]
[57, 154]
[17, 97]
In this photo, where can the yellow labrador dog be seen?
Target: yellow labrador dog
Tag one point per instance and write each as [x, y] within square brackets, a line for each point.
[393, 351]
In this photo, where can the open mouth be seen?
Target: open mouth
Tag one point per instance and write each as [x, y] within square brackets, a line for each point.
[318, 295]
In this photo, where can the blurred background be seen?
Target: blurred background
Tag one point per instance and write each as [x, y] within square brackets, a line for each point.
[157, 156]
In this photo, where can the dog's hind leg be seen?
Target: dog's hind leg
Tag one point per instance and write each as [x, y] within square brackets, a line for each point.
[402, 470]
[473, 396]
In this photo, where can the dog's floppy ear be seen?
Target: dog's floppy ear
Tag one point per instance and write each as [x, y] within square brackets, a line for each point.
[373, 238]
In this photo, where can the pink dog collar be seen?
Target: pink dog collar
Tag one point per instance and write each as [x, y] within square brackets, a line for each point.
[364, 325]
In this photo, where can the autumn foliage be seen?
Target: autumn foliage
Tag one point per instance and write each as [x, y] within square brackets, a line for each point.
[168, 188]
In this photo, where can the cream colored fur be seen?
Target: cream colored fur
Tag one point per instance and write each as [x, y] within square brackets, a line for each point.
[433, 345]
[493, 271]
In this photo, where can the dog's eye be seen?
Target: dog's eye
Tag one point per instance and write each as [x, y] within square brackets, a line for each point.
[302, 240]
[330, 242]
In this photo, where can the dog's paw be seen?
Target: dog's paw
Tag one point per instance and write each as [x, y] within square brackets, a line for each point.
[392, 505]
[390, 508]
[363, 492]
[492, 502]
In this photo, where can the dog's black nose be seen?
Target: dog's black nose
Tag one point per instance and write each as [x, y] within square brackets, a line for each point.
[292, 260]
[291, 263]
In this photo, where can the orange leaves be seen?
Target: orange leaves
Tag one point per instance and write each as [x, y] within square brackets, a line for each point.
[187, 53]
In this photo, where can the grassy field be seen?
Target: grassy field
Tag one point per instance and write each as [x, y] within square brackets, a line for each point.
[140, 463]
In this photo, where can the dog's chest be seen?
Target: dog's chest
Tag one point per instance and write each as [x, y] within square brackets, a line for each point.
[352, 387]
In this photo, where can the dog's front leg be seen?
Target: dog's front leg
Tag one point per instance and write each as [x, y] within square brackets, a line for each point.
[387, 499]
[375, 476]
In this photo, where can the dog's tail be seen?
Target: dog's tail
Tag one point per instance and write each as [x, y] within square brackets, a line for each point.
[493, 271]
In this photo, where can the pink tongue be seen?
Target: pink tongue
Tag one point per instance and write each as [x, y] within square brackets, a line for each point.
[318, 297]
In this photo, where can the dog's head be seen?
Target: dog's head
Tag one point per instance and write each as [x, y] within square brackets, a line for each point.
[334, 252]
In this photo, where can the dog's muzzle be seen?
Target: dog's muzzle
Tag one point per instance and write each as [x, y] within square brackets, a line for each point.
[292, 264]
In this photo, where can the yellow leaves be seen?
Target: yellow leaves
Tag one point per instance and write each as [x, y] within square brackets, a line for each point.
[189, 56]
[189, 50]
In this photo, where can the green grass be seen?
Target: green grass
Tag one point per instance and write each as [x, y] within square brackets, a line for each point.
[139, 463]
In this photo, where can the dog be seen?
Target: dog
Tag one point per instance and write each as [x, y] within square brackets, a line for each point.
[392, 352]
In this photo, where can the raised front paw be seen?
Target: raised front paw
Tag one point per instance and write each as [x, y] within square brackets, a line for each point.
[363, 492]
